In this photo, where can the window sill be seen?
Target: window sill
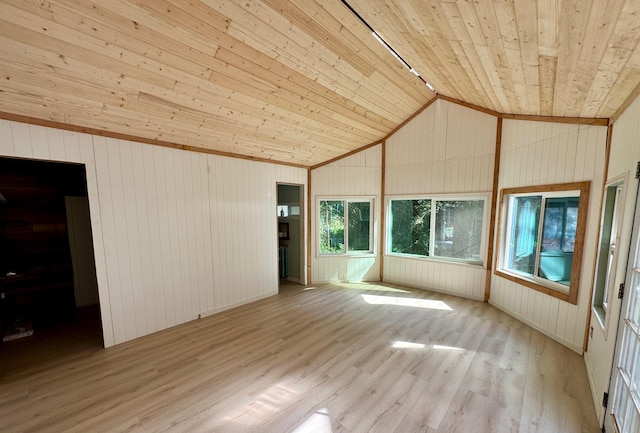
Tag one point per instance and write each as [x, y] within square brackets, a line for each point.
[600, 315]
[436, 260]
[539, 287]
[347, 255]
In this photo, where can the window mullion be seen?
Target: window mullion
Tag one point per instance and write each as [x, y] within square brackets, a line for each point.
[345, 218]
[432, 228]
[536, 267]
[372, 246]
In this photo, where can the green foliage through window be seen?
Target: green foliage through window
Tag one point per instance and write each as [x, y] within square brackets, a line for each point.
[437, 228]
[334, 216]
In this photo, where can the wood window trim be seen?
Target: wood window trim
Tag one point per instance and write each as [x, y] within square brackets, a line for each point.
[372, 236]
[576, 263]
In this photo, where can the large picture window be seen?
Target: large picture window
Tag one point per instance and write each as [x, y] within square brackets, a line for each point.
[542, 235]
[443, 228]
[345, 226]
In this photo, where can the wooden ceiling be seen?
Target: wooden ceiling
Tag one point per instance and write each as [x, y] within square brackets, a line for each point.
[303, 81]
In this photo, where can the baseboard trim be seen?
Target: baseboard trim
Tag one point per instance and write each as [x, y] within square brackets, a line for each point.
[236, 304]
[444, 292]
[566, 343]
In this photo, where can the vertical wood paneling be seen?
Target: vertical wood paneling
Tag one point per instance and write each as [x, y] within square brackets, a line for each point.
[188, 250]
[6, 142]
[159, 318]
[39, 143]
[144, 228]
[113, 298]
[357, 175]
[625, 153]
[128, 235]
[176, 234]
[539, 153]
[446, 149]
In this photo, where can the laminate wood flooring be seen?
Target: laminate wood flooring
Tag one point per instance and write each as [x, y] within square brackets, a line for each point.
[340, 358]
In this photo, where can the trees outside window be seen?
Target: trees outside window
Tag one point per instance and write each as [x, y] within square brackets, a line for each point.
[438, 228]
[336, 215]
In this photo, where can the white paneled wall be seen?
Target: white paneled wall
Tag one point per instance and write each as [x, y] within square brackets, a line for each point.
[540, 153]
[176, 234]
[446, 149]
[358, 175]
[625, 153]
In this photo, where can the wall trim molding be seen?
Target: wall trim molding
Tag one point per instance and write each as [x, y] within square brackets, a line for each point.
[116, 135]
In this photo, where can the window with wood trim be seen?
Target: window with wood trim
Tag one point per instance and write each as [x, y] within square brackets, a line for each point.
[542, 233]
[447, 228]
[345, 226]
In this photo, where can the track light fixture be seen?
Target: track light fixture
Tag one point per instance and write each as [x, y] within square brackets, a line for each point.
[384, 43]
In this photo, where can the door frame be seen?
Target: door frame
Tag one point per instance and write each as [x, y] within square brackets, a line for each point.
[304, 277]
[609, 424]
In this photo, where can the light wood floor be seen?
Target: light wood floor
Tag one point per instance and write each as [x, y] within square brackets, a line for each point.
[336, 358]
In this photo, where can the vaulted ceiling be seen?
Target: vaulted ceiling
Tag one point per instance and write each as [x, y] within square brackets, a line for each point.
[304, 81]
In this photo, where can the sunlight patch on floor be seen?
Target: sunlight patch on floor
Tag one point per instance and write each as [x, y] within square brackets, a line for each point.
[407, 345]
[438, 347]
[406, 302]
[317, 422]
[372, 287]
[368, 287]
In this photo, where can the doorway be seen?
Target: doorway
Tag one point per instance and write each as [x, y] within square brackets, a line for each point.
[291, 224]
[48, 286]
[623, 415]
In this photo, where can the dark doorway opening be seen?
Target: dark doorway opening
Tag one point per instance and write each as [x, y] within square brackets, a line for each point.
[48, 287]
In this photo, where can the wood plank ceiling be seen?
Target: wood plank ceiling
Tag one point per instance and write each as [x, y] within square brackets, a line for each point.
[303, 81]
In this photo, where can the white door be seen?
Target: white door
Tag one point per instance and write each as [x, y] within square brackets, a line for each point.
[623, 413]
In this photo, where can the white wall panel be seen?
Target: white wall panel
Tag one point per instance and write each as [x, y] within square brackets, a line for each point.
[625, 153]
[176, 234]
[357, 175]
[540, 153]
[445, 149]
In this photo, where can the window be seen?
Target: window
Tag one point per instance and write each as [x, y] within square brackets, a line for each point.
[335, 216]
[607, 250]
[543, 230]
[437, 228]
[283, 210]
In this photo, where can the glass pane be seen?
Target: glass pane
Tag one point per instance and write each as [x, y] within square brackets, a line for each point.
[458, 229]
[524, 221]
[604, 275]
[628, 349]
[634, 300]
[558, 239]
[331, 226]
[359, 226]
[410, 226]
[635, 379]
[619, 394]
[283, 210]
[627, 392]
[632, 423]
[570, 226]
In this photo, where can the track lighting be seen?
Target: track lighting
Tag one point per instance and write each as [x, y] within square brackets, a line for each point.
[388, 47]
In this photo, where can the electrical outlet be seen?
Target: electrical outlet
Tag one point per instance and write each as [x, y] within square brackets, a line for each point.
[591, 332]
